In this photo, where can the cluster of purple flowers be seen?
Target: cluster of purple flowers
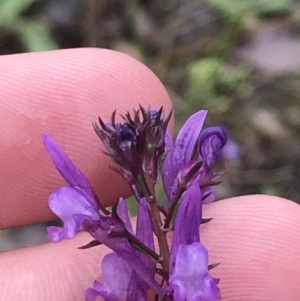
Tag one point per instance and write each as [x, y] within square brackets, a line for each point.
[144, 151]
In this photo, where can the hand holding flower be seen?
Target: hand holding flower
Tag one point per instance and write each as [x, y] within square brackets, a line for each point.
[254, 237]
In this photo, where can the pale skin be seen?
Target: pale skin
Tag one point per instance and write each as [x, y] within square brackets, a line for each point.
[255, 238]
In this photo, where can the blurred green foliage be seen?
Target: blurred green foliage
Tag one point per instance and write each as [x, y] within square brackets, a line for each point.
[34, 34]
[215, 85]
[272, 7]
[234, 10]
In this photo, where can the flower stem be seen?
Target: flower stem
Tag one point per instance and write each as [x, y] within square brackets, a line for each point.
[160, 234]
[158, 225]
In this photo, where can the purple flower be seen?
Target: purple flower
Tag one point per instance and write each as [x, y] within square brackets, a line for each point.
[211, 141]
[78, 209]
[187, 221]
[142, 147]
[189, 278]
[125, 135]
[137, 144]
[179, 153]
[192, 146]
[73, 208]
[120, 282]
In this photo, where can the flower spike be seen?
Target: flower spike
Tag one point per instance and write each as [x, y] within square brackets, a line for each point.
[142, 148]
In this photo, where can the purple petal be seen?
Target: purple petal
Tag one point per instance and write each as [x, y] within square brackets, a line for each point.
[194, 256]
[144, 232]
[190, 279]
[120, 282]
[128, 254]
[71, 206]
[116, 275]
[187, 221]
[137, 289]
[187, 137]
[67, 169]
[212, 140]
[169, 169]
[99, 289]
[123, 214]
[137, 265]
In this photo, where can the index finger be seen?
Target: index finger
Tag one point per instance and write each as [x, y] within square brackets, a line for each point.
[62, 93]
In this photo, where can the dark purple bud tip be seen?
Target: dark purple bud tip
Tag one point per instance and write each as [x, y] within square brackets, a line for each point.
[93, 243]
[211, 141]
[125, 135]
[213, 265]
[206, 220]
[153, 114]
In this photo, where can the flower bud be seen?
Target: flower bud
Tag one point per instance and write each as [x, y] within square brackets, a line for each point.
[211, 141]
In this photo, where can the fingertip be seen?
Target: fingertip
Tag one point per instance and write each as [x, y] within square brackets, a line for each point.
[55, 271]
[62, 93]
[255, 239]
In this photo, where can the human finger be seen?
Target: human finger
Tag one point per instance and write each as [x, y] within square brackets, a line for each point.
[62, 93]
[255, 239]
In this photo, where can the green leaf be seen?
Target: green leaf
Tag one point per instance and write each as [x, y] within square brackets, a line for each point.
[11, 9]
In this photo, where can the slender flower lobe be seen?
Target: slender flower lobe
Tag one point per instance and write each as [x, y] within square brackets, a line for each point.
[189, 279]
[64, 165]
[187, 221]
[187, 137]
